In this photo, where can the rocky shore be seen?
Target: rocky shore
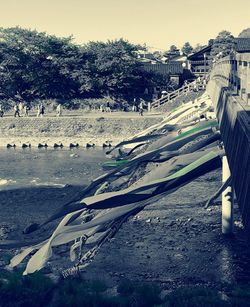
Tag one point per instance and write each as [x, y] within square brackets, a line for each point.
[174, 242]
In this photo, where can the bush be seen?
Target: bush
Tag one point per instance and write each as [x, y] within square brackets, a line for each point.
[19, 290]
[38, 290]
[136, 294]
[194, 297]
[77, 292]
[241, 296]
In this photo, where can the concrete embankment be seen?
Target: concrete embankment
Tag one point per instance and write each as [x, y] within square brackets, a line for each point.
[68, 130]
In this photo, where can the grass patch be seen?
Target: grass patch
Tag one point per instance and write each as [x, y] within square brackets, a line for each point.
[194, 297]
[19, 290]
[138, 294]
[38, 290]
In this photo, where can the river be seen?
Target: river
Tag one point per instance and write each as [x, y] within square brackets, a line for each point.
[49, 167]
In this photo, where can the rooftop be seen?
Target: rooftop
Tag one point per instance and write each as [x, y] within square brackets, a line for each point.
[171, 68]
[242, 44]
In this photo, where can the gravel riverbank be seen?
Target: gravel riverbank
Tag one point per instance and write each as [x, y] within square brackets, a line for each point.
[174, 242]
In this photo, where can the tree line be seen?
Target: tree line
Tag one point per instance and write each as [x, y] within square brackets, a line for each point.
[35, 65]
[224, 42]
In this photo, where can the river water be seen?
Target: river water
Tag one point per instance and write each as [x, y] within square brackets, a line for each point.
[49, 167]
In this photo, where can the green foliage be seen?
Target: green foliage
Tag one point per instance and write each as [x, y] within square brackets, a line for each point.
[245, 33]
[172, 52]
[117, 72]
[157, 55]
[198, 47]
[35, 65]
[77, 292]
[38, 290]
[187, 48]
[223, 44]
[173, 48]
[93, 103]
[139, 294]
[18, 290]
[240, 296]
[194, 297]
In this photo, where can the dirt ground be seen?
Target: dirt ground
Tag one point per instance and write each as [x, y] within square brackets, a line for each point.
[174, 242]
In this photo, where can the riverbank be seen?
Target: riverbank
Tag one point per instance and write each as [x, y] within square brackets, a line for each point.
[91, 128]
[167, 243]
[174, 241]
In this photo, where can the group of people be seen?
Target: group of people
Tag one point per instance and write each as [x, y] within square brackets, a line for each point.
[21, 109]
[139, 106]
[40, 110]
[105, 108]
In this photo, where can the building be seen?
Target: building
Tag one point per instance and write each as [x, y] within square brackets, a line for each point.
[198, 62]
[179, 67]
[172, 69]
[240, 69]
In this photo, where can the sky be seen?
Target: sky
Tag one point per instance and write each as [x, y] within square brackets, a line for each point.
[157, 23]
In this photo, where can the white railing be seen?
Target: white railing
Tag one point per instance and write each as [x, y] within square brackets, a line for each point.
[180, 91]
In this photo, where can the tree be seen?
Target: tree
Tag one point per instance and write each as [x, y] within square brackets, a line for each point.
[172, 52]
[157, 55]
[223, 44]
[36, 65]
[198, 47]
[117, 71]
[173, 48]
[187, 48]
[245, 33]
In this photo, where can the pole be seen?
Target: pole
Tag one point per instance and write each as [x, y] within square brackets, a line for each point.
[227, 200]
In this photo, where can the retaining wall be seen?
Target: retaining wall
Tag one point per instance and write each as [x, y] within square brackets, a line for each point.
[70, 130]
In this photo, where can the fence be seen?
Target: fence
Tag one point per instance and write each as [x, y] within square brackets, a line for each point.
[172, 95]
[229, 90]
[234, 72]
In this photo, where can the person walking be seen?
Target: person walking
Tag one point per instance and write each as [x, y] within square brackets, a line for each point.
[26, 109]
[59, 110]
[108, 108]
[149, 106]
[141, 108]
[134, 107]
[20, 108]
[16, 111]
[40, 110]
[1, 111]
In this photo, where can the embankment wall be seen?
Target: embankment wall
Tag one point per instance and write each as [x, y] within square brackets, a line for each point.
[69, 130]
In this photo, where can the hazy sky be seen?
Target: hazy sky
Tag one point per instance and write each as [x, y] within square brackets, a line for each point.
[158, 23]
